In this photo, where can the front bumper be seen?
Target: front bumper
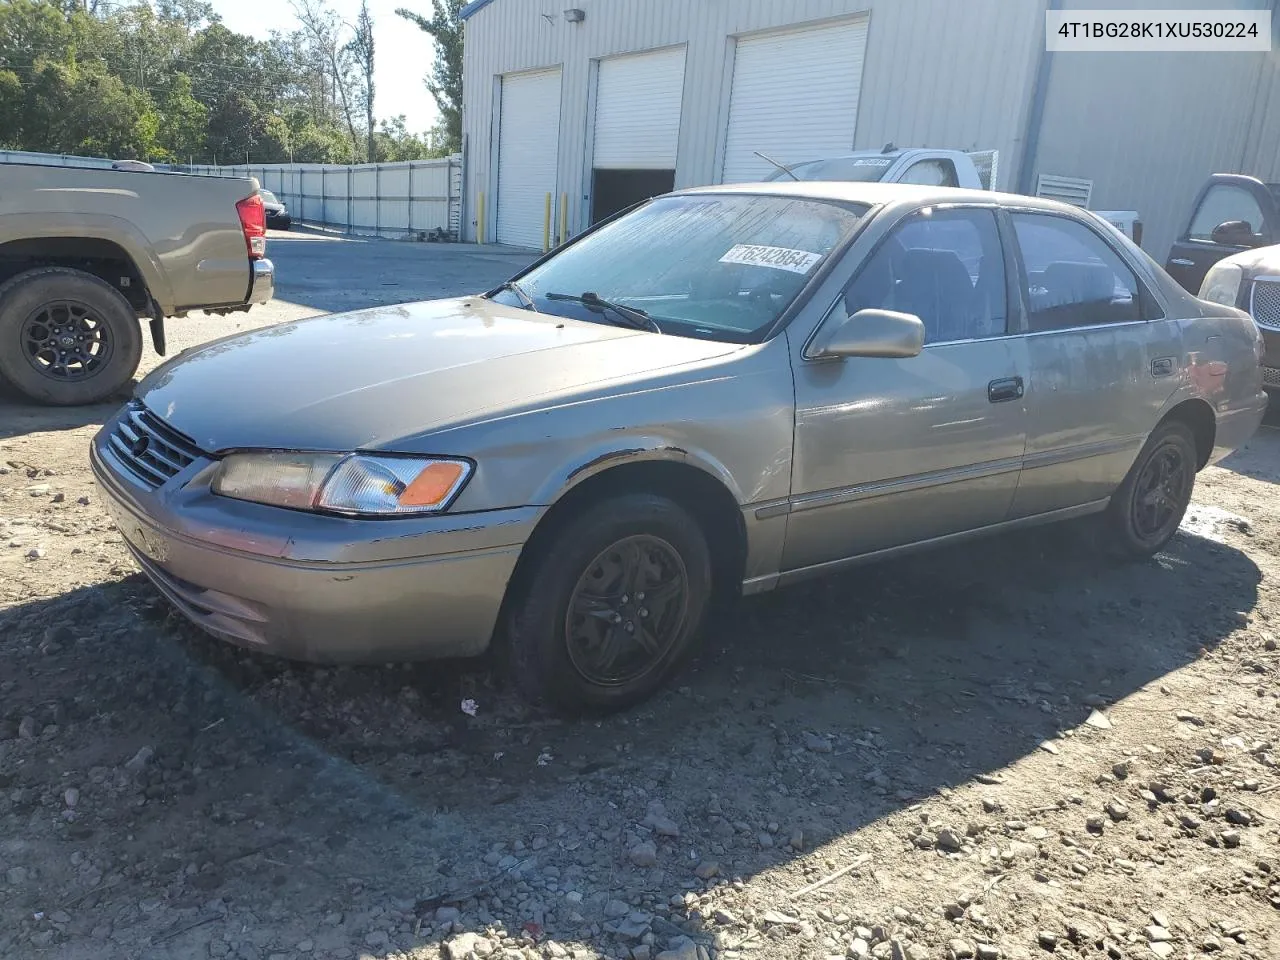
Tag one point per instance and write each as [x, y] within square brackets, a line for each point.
[313, 587]
[279, 221]
[262, 283]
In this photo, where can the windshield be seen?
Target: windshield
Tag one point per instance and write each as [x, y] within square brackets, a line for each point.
[267, 196]
[864, 169]
[715, 266]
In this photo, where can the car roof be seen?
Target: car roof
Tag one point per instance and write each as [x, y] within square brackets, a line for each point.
[878, 194]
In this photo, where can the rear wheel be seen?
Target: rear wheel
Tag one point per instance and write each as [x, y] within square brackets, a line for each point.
[611, 606]
[1146, 510]
[66, 336]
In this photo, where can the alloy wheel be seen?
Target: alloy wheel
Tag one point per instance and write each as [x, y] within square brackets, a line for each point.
[66, 340]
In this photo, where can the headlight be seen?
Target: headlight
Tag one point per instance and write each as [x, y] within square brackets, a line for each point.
[1222, 284]
[351, 484]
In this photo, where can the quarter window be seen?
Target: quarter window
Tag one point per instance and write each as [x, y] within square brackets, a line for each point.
[1073, 277]
[946, 267]
[1223, 203]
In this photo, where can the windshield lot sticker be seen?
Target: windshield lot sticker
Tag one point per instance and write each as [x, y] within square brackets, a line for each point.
[780, 258]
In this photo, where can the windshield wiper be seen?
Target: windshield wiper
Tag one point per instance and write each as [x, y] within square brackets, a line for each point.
[520, 293]
[632, 317]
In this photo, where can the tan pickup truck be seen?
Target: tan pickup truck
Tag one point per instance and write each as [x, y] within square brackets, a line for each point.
[85, 254]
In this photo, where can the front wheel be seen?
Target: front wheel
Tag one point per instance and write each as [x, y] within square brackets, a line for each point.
[611, 606]
[1146, 510]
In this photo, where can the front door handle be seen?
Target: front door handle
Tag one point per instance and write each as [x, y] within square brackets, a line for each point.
[1182, 262]
[1002, 391]
[1162, 367]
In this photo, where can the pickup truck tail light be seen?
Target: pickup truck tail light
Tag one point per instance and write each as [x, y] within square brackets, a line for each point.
[253, 221]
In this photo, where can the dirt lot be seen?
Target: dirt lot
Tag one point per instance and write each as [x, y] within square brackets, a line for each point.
[1007, 750]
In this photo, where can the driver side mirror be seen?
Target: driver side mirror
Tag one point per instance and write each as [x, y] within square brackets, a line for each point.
[871, 333]
[1234, 233]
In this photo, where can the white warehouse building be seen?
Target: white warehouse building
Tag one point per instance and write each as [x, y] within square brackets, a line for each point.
[573, 109]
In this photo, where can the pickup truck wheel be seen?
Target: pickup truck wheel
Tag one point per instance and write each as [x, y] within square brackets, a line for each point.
[1145, 512]
[66, 336]
[612, 606]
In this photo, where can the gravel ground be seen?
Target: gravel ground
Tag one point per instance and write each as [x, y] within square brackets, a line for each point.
[1029, 755]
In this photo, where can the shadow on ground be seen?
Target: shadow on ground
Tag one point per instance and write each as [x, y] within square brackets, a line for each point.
[362, 793]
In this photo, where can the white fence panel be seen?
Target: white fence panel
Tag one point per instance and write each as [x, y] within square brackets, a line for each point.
[63, 160]
[385, 199]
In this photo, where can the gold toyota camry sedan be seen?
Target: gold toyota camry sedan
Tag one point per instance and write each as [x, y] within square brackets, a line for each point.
[726, 389]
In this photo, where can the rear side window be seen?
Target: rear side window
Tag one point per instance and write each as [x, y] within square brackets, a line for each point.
[1073, 277]
[1223, 203]
[947, 268]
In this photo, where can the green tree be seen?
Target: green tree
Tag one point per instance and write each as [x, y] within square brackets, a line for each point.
[361, 50]
[445, 27]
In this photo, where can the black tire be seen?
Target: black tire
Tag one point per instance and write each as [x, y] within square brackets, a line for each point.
[104, 339]
[1146, 510]
[548, 644]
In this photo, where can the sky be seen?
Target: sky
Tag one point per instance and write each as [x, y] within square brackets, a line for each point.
[402, 53]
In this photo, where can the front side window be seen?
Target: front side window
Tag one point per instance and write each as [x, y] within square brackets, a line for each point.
[715, 266]
[946, 267]
[1221, 204]
[1074, 278]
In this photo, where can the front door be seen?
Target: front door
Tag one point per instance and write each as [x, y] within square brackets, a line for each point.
[1104, 360]
[1226, 198]
[891, 452]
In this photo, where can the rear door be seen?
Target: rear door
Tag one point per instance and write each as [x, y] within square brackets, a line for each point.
[1104, 360]
[1225, 198]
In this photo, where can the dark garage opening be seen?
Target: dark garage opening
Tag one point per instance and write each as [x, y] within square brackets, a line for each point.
[614, 190]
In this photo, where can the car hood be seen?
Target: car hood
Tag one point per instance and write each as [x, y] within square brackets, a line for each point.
[377, 378]
[1258, 260]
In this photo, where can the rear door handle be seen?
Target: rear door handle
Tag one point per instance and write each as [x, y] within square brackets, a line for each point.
[1002, 391]
[1182, 262]
[1162, 366]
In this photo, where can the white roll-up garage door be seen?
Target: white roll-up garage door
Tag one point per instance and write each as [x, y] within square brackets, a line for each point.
[528, 142]
[638, 111]
[794, 97]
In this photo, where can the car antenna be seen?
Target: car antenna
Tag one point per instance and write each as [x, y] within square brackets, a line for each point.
[889, 147]
[776, 164]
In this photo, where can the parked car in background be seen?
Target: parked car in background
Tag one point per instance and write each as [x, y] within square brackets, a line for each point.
[935, 168]
[278, 217]
[724, 390]
[1251, 281]
[86, 253]
[1232, 213]
[920, 165]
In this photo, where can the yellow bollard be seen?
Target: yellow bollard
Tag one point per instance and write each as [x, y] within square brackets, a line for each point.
[546, 224]
[480, 219]
[564, 217]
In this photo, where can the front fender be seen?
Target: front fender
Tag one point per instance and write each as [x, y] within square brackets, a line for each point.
[606, 454]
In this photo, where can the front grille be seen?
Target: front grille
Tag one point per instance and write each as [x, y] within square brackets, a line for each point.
[1265, 302]
[1271, 376]
[151, 449]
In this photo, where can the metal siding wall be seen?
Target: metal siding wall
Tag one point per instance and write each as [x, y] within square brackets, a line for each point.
[938, 73]
[1261, 155]
[1149, 128]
